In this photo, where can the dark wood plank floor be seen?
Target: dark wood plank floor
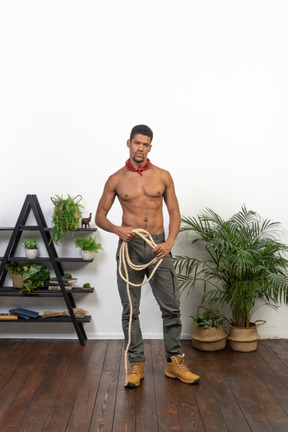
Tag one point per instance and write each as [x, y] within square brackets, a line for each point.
[60, 386]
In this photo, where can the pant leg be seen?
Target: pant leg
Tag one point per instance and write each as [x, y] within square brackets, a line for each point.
[166, 292]
[136, 349]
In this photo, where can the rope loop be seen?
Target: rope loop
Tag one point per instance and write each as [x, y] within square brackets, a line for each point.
[124, 259]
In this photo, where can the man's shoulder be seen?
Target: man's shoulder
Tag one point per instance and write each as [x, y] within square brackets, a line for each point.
[114, 179]
[161, 171]
[117, 174]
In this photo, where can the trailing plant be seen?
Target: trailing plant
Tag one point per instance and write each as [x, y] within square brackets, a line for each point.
[245, 262]
[30, 244]
[209, 318]
[87, 244]
[67, 212]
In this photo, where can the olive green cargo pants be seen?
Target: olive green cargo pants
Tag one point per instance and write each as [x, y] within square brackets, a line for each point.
[165, 290]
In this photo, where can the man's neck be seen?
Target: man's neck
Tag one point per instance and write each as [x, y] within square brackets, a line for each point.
[138, 164]
[139, 168]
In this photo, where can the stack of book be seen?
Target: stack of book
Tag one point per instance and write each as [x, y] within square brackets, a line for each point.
[68, 283]
[24, 313]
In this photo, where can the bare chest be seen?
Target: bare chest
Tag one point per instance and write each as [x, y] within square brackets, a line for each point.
[133, 186]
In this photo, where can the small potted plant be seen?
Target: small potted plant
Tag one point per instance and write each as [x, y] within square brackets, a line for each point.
[66, 215]
[88, 247]
[16, 272]
[209, 333]
[28, 277]
[31, 248]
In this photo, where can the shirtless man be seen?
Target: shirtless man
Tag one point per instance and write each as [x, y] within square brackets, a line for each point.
[141, 189]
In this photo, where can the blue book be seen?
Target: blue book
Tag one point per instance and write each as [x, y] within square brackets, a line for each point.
[24, 313]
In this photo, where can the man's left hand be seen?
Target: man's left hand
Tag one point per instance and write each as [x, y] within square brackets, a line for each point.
[162, 249]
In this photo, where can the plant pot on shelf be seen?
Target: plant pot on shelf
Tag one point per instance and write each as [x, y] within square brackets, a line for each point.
[209, 339]
[244, 339]
[31, 253]
[87, 255]
[16, 281]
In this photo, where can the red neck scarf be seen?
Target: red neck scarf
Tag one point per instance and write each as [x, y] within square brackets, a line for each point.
[130, 167]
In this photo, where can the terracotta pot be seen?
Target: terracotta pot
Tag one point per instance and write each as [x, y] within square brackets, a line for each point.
[209, 339]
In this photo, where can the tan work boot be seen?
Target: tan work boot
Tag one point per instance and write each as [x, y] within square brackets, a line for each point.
[136, 373]
[176, 368]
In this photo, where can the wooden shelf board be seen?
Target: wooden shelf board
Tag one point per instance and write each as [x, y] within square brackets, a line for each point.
[36, 228]
[40, 319]
[47, 259]
[8, 291]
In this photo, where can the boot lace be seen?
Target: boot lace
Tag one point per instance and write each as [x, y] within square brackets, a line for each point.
[182, 366]
[135, 369]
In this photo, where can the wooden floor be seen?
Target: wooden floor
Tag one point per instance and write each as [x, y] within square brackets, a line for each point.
[61, 386]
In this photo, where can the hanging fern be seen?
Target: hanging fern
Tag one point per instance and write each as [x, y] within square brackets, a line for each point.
[66, 215]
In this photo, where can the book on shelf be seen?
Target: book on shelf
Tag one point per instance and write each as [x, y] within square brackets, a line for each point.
[65, 281]
[24, 313]
[55, 287]
[7, 316]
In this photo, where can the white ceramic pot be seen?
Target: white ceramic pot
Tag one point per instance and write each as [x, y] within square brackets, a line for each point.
[86, 255]
[31, 253]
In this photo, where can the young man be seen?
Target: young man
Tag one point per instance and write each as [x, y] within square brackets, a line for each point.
[141, 188]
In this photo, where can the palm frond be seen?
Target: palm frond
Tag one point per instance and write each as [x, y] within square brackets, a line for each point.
[245, 261]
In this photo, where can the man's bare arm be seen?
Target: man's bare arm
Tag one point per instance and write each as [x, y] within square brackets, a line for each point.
[174, 219]
[104, 206]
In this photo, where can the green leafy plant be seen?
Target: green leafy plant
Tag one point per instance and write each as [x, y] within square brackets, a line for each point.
[209, 318]
[30, 244]
[33, 276]
[87, 244]
[66, 215]
[245, 262]
[15, 268]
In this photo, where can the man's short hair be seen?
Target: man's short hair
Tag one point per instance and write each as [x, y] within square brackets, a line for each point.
[141, 129]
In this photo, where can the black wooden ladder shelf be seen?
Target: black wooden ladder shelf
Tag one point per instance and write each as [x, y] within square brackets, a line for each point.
[31, 203]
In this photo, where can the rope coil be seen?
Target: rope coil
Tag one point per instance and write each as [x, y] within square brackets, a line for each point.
[124, 259]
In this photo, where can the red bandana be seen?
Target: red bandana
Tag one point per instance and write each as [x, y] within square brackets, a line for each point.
[130, 167]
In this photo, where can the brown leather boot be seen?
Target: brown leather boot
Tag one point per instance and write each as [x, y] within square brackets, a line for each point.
[136, 373]
[176, 368]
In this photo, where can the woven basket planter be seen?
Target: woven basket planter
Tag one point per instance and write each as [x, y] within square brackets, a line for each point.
[17, 281]
[244, 339]
[209, 339]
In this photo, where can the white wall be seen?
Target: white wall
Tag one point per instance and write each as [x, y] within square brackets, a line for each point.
[209, 77]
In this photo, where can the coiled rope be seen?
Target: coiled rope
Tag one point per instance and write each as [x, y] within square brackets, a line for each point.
[124, 259]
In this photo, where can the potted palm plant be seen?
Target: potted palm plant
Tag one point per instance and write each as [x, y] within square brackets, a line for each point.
[88, 247]
[245, 264]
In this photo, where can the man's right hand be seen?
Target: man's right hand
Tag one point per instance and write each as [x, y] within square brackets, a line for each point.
[126, 233]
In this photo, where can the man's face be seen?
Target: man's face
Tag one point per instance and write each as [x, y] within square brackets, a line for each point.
[139, 147]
